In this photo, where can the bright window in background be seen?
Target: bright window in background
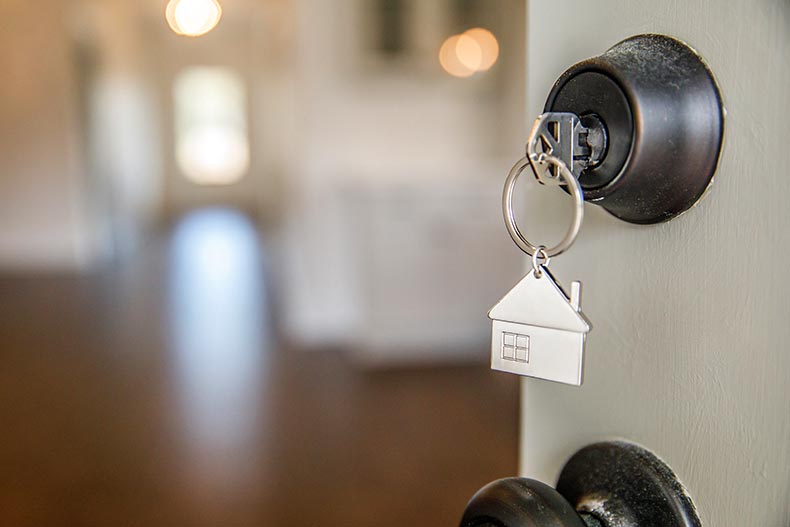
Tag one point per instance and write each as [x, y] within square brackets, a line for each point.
[212, 142]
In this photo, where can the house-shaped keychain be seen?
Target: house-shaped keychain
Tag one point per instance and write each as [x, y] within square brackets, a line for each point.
[539, 331]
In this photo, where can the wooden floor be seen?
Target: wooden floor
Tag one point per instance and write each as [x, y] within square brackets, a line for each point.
[157, 394]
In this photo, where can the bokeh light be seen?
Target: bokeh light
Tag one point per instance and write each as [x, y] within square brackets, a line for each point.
[193, 17]
[448, 58]
[489, 46]
[470, 52]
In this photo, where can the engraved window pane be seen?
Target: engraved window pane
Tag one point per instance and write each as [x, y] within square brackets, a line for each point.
[522, 354]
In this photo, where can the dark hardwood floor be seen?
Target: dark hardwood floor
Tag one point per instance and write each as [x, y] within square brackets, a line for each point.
[158, 394]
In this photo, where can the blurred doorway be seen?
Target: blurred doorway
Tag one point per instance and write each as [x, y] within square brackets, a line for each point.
[206, 90]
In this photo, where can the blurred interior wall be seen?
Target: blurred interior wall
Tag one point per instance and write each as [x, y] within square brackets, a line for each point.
[43, 204]
[121, 124]
[78, 134]
[397, 162]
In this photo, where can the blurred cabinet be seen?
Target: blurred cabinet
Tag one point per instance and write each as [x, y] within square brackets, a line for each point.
[429, 261]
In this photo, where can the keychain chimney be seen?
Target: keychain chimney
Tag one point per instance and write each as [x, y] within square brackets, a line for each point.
[576, 295]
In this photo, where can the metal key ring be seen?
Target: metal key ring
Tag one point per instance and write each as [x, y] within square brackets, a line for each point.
[578, 206]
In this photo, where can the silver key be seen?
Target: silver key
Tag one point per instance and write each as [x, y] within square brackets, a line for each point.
[564, 136]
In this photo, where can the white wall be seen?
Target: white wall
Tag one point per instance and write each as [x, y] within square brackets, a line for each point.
[121, 125]
[688, 354]
[78, 135]
[42, 203]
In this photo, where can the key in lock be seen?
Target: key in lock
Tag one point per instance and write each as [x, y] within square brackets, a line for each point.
[580, 142]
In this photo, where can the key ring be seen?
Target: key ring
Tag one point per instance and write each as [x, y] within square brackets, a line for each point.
[510, 220]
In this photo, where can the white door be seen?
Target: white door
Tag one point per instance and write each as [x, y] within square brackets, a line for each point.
[690, 350]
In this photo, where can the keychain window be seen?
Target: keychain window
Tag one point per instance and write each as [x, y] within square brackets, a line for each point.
[515, 347]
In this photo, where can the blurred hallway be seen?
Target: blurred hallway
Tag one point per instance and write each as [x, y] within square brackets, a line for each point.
[156, 393]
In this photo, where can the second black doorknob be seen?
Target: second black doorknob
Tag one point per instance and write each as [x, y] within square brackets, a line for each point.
[610, 484]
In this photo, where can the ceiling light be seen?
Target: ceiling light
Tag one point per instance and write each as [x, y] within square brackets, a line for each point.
[193, 18]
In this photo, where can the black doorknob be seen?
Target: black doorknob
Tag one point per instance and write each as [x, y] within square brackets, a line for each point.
[520, 502]
[610, 484]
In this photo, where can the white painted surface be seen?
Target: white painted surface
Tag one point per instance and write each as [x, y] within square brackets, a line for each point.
[689, 351]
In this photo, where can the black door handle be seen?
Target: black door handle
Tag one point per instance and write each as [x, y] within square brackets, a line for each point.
[610, 484]
[520, 502]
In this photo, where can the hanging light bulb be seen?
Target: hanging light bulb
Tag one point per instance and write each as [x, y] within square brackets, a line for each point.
[193, 17]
